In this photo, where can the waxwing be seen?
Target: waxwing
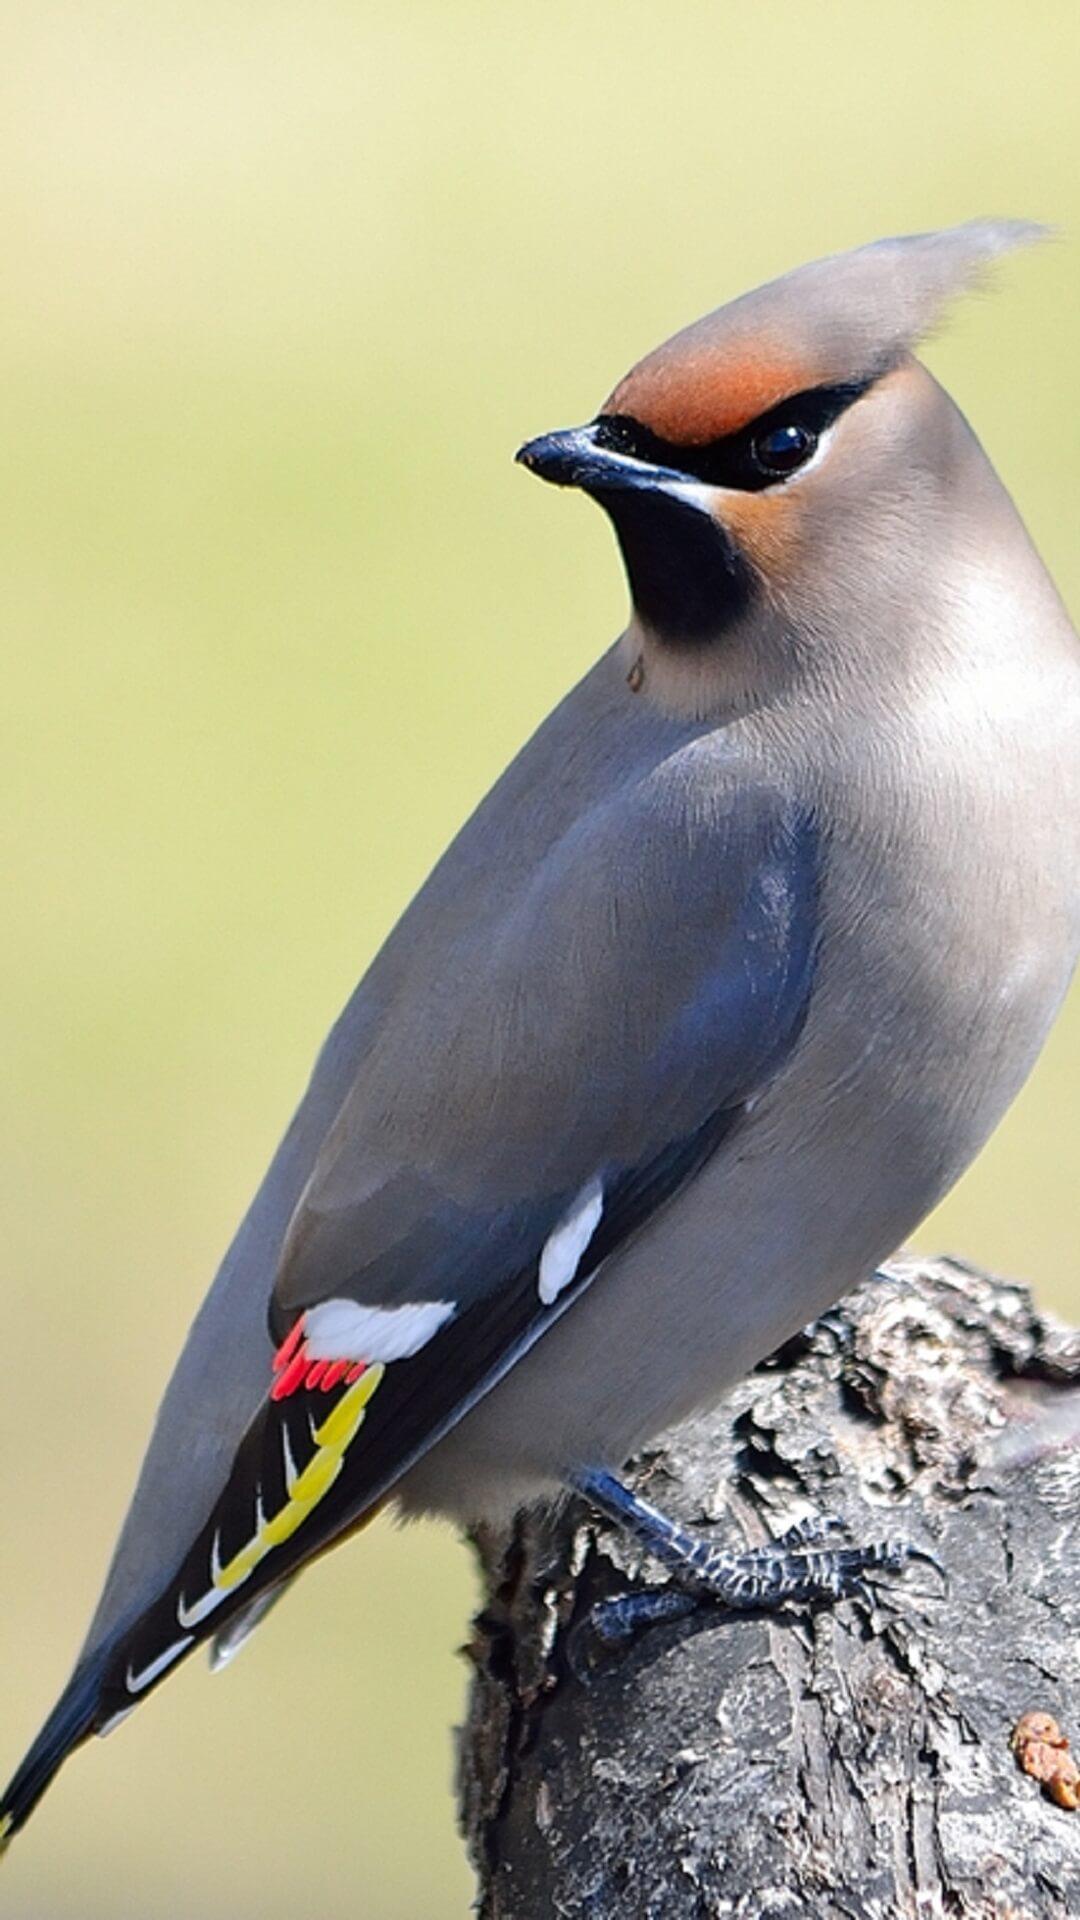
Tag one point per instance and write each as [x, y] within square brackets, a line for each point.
[715, 995]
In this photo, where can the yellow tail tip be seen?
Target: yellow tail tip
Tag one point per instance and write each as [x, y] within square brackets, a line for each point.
[7, 1825]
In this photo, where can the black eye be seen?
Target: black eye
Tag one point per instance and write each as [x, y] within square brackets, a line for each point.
[782, 449]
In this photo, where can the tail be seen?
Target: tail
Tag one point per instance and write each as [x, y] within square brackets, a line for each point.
[291, 1456]
[73, 1719]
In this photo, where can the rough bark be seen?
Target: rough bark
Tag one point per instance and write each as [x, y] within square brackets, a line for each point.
[851, 1762]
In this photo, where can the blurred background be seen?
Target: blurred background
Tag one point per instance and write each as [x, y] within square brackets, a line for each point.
[283, 289]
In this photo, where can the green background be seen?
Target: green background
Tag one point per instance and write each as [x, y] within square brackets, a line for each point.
[283, 288]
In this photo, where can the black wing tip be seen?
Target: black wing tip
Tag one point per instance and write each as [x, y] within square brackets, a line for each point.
[71, 1721]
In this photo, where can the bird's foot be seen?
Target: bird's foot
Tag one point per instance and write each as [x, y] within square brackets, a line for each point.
[798, 1567]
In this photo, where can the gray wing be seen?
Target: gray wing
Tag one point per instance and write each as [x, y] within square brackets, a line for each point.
[653, 971]
[570, 1072]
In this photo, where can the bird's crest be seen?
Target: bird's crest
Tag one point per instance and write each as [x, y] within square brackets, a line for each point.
[843, 318]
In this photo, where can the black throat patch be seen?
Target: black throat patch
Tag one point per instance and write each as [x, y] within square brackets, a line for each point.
[687, 580]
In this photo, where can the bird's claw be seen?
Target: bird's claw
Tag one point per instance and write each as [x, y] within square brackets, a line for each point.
[795, 1568]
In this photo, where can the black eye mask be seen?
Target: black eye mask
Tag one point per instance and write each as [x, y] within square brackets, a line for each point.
[762, 454]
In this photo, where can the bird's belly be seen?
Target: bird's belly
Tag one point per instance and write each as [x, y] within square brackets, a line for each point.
[756, 1247]
[904, 1069]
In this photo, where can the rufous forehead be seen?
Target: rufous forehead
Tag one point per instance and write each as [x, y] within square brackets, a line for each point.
[692, 394]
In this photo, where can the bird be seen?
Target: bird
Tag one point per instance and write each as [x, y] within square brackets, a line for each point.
[713, 997]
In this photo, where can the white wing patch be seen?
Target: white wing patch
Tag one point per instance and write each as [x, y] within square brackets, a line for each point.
[194, 1615]
[137, 1681]
[568, 1240]
[291, 1475]
[344, 1330]
[115, 1719]
[226, 1645]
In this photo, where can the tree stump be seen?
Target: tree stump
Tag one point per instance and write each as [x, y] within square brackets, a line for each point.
[850, 1763]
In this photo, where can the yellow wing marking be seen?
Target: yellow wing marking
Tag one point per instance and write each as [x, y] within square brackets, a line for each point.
[337, 1433]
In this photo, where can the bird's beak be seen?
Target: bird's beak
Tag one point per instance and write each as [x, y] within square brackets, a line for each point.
[572, 458]
[686, 574]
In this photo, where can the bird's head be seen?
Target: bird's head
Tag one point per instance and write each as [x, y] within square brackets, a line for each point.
[771, 461]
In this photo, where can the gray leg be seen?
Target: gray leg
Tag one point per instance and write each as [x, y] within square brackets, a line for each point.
[795, 1567]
